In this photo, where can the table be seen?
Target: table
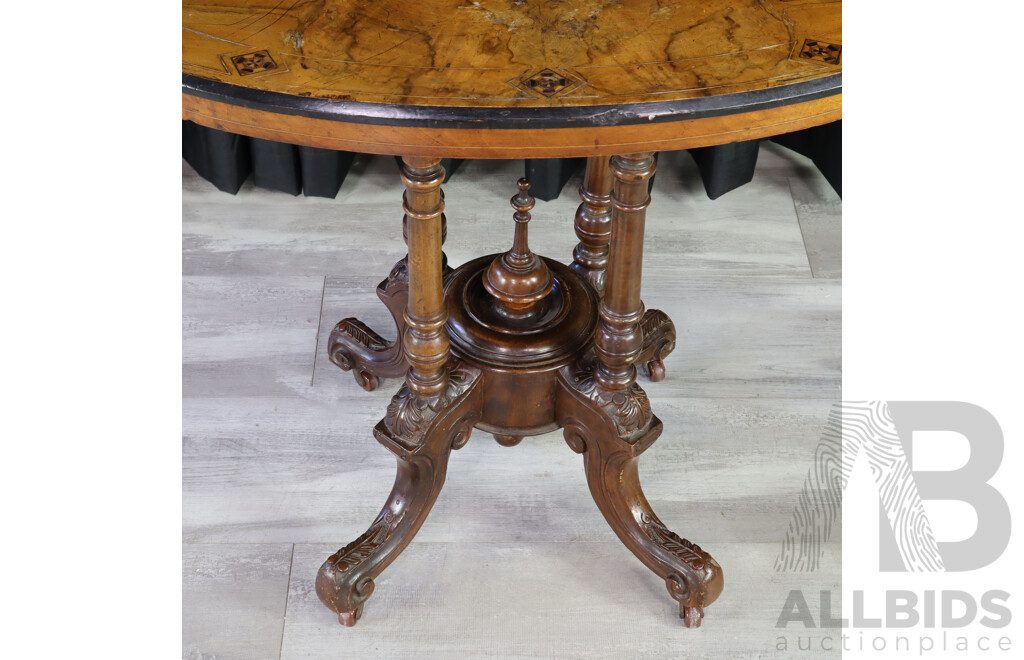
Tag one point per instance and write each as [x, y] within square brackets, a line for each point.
[515, 344]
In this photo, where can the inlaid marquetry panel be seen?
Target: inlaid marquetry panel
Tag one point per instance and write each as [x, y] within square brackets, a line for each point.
[510, 53]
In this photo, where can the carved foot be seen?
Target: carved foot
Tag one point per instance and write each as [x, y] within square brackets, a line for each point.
[611, 429]
[355, 347]
[659, 341]
[691, 616]
[349, 618]
[421, 432]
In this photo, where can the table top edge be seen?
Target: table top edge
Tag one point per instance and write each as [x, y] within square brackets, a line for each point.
[524, 118]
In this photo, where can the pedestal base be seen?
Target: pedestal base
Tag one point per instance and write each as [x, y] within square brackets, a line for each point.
[525, 377]
[519, 345]
[519, 357]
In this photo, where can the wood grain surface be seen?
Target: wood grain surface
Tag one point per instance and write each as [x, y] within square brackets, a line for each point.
[335, 73]
[482, 53]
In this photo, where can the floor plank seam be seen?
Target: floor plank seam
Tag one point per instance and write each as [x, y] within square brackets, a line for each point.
[803, 236]
[287, 593]
[319, 324]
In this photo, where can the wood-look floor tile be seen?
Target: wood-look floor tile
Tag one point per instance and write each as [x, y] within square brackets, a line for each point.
[249, 335]
[263, 470]
[233, 600]
[592, 600]
[820, 212]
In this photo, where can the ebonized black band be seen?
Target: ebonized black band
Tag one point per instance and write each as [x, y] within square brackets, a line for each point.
[577, 116]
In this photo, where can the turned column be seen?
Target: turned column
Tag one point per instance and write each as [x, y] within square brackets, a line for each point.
[425, 340]
[619, 340]
[593, 222]
[444, 237]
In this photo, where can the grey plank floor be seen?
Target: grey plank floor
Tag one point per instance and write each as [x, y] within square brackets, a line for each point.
[280, 467]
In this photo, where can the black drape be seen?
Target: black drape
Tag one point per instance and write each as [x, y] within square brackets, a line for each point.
[226, 160]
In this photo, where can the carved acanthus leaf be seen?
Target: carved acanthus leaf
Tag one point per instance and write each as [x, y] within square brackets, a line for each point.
[409, 415]
[399, 274]
[359, 550]
[653, 319]
[659, 335]
[361, 334]
[686, 551]
[629, 409]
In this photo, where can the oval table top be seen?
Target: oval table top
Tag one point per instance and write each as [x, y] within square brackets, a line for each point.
[511, 78]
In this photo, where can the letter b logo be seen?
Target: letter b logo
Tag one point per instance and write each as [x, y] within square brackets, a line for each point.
[967, 484]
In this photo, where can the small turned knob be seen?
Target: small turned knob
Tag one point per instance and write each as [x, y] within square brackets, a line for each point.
[518, 279]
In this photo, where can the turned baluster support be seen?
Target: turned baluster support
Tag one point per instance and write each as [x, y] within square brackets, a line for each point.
[590, 259]
[619, 339]
[425, 339]
[594, 222]
[354, 346]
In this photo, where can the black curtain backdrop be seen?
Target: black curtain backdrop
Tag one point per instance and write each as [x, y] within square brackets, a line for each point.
[227, 160]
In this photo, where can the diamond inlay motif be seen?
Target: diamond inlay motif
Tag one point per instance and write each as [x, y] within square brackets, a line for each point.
[820, 51]
[548, 82]
[251, 63]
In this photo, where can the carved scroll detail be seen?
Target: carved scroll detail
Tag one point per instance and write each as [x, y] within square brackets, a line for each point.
[659, 341]
[358, 332]
[653, 320]
[686, 551]
[688, 587]
[355, 552]
[353, 346]
[629, 409]
[400, 274]
[409, 415]
[611, 428]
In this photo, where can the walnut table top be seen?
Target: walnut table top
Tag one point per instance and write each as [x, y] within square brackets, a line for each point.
[511, 78]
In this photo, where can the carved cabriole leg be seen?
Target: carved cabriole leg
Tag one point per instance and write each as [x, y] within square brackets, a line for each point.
[607, 416]
[433, 412]
[611, 431]
[421, 433]
[353, 346]
[590, 259]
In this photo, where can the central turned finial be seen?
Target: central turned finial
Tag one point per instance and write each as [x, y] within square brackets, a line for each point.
[519, 279]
